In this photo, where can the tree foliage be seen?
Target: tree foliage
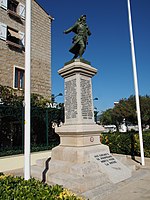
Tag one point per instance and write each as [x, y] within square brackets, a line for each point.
[126, 109]
[106, 117]
[43, 116]
[10, 96]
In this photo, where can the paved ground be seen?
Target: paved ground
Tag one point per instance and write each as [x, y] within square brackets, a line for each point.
[135, 188]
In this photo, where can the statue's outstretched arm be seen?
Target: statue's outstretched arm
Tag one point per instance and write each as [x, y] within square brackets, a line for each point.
[70, 29]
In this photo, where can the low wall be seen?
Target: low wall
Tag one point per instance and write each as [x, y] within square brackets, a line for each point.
[8, 163]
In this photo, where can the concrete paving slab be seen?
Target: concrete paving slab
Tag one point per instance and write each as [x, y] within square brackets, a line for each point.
[136, 188]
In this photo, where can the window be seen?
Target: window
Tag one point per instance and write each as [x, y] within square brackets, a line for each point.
[3, 31]
[12, 5]
[15, 38]
[19, 78]
[14, 8]
[3, 4]
[11, 36]
[21, 10]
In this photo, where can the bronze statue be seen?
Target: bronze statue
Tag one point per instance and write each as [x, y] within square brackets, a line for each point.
[80, 40]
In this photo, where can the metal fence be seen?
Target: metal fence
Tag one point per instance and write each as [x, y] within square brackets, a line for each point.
[42, 129]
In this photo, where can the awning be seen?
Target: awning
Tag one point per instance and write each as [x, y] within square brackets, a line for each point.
[14, 33]
[13, 38]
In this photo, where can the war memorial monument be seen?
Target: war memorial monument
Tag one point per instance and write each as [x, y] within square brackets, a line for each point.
[80, 162]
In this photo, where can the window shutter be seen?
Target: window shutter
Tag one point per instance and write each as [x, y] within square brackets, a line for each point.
[3, 4]
[3, 31]
[22, 38]
[22, 10]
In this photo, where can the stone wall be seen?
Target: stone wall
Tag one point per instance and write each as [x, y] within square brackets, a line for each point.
[40, 51]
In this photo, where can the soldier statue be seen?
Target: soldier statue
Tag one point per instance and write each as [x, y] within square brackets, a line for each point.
[80, 40]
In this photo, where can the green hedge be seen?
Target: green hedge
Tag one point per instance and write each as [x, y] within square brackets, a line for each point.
[16, 188]
[126, 143]
[7, 151]
[146, 141]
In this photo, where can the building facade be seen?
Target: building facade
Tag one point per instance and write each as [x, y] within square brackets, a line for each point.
[12, 47]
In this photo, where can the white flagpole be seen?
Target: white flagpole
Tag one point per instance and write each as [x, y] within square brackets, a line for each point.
[136, 85]
[27, 90]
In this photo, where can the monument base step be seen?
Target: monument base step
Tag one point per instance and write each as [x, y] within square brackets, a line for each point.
[37, 172]
[85, 179]
[77, 183]
[128, 161]
[85, 159]
[41, 168]
[99, 192]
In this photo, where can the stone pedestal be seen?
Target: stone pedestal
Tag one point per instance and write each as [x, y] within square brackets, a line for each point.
[79, 129]
[81, 162]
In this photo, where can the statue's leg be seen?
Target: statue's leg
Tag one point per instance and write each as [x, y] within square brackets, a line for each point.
[82, 49]
[75, 56]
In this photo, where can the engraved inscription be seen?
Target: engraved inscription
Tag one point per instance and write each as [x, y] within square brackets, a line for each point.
[105, 158]
[86, 99]
[70, 99]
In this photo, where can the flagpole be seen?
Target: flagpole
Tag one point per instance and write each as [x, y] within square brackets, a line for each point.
[136, 84]
[27, 90]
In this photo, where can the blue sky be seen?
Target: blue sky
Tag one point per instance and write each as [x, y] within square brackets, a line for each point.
[109, 45]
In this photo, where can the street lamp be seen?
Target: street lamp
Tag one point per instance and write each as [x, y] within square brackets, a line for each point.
[95, 110]
[95, 99]
[60, 94]
[53, 97]
[95, 114]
